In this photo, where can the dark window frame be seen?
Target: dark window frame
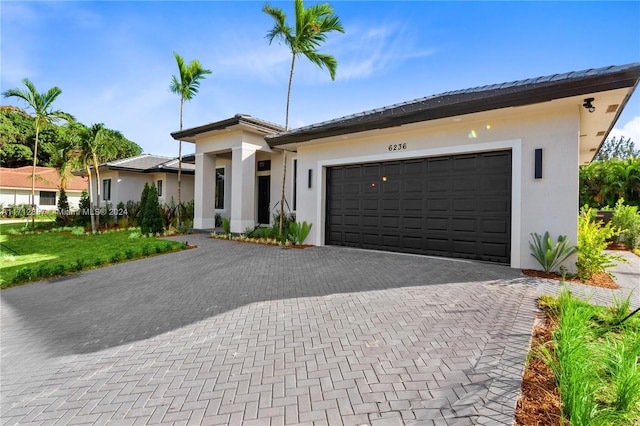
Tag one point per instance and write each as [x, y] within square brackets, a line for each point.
[46, 196]
[220, 184]
[106, 189]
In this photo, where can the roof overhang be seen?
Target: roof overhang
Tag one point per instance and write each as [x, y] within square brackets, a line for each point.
[609, 86]
[238, 121]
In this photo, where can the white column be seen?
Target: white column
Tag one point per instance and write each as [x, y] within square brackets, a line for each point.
[243, 182]
[204, 192]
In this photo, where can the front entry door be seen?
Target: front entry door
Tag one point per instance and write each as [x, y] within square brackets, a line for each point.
[264, 199]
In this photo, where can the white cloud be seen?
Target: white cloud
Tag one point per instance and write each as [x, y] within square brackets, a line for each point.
[630, 129]
[362, 52]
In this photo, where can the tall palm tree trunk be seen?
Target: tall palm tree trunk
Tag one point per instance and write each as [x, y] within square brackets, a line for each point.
[93, 223]
[95, 166]
[284, 153]
[180, 166]
[33, 180]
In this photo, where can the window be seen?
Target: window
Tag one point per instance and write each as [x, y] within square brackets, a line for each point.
[220, 188]
[159, 185]
[295, 183]
[106, 189]
[47, 198]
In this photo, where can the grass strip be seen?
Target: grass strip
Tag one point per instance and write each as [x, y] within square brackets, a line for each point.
[595, 361]
[29, 256]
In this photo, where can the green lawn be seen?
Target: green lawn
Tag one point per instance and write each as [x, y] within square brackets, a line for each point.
[27, 257]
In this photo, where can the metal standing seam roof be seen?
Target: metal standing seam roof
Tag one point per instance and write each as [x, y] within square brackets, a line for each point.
[466, 101]
[147, 163]
[238, 119]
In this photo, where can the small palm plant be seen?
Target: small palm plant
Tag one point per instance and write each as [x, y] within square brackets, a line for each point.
[550, 256]
[298, 232]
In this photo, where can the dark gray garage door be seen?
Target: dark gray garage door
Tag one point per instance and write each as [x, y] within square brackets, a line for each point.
[453, 206]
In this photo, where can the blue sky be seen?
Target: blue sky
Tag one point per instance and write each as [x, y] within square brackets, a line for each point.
[114, 60]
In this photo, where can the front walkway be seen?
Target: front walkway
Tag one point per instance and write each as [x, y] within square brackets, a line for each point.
[233, 333]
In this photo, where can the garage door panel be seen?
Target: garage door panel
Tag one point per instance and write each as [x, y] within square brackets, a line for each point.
[369, 221]
[465, 163]
[413, 186]
[438, 205]
[455, 206]
[415, 167]
[370, 204]
[437, 166]
[438, 185]
[392, 204]
[412, 223]
[392, 222]
[437, 224]
[371, 170]
[390, 188]
[413, 204]
[490, 226]
[464, 225]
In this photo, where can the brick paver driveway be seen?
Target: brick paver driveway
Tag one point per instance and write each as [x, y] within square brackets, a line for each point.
[233, 333]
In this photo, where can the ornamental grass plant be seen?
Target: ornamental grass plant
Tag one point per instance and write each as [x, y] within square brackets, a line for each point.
[595, 361]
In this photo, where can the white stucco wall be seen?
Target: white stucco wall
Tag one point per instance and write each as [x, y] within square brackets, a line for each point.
[128, 186]
[12, 196]
[538, 205]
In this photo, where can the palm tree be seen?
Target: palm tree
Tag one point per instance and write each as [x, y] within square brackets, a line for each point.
[87, 147]
[186, 85]
[41, 103]
[311, 28]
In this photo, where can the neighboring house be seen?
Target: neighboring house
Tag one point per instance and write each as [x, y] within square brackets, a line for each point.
[15, 187]
[463, 174]
[123, 180]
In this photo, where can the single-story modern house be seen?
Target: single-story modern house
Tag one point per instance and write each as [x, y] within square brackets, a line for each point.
[463, 174]
[123, 180]
[15, 187]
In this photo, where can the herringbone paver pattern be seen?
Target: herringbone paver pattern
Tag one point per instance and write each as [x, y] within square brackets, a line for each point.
[232, 333]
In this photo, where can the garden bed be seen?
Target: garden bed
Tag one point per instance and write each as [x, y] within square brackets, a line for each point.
[602, 279]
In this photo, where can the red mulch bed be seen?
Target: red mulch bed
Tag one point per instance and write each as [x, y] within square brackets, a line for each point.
[598, 280]
[539, 402]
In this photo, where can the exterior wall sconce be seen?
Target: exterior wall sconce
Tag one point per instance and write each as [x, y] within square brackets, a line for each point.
[537, 173]
[587, 104]
[309, 178]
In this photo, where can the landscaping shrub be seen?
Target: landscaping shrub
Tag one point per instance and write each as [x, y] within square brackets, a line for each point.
[603, 183]
[44, 271]
[627, 220]
[226, 226]
[151, 222]
[59, 269]
[187, 213]
[129, 254]
[82, 217]
[550, 256]
[115, 257]
[287, 220]
[298, 232]
[78, 265]
[133, 212]
[169, 212]
[63, 216]
[592, 241]
[18, 211]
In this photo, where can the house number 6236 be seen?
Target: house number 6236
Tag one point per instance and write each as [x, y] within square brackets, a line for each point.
[397, 146]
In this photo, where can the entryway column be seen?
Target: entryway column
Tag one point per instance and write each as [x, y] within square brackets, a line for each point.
[205, 192]
[243, 182]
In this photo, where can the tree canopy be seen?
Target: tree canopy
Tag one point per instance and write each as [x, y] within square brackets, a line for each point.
[17, 140]
[620, 148]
